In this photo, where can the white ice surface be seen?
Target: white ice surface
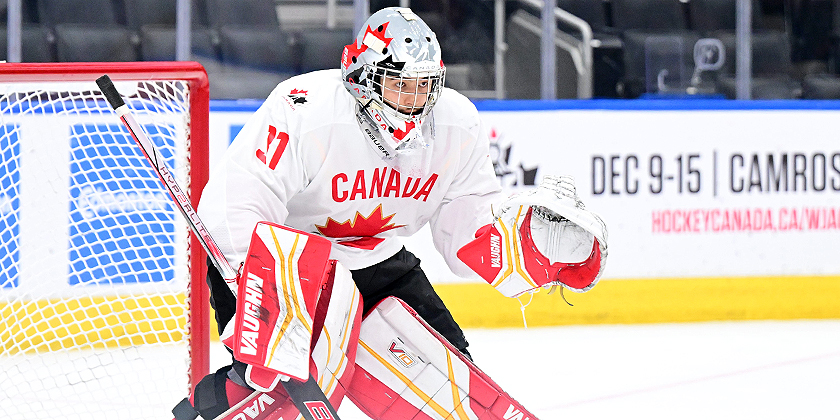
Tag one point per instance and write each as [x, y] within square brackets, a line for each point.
[721, 370]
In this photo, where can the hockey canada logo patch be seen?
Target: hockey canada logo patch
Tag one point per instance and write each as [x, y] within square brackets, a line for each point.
[295, 98]
[510, 171]
[401, 355]
[298, 96]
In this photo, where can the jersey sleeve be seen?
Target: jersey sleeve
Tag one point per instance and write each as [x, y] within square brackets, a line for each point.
[467, 204]
[259, 173]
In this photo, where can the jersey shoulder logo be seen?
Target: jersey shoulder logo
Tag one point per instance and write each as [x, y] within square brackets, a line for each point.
[298, 96]
[295, 98]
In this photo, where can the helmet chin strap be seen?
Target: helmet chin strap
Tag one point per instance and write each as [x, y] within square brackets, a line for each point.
[395, 131]
[410, 157]
[367, 104]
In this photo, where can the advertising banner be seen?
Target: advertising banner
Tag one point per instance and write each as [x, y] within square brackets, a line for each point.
[694, 192]
[687, 188]
[81, 207]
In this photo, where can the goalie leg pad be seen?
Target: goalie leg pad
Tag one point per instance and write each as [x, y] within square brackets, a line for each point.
[283, 277]
[406, 370]
[400, 276]
[339, 320]
[291, 293]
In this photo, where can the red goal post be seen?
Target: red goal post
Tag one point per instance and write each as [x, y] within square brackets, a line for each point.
[94, 273]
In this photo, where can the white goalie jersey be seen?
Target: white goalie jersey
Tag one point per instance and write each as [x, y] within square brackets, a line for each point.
[303, 160]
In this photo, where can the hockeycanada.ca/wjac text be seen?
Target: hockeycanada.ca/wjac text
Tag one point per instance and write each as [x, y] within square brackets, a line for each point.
[745, 220]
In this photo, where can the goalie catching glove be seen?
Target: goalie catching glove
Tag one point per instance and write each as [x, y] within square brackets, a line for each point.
[541, 238]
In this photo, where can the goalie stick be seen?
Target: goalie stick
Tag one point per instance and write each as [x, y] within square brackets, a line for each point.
[165, 175]
[307, 396]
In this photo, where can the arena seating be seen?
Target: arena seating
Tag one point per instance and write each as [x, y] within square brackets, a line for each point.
[772, 67]
[821, 86]
[157, 43]
[657, 62]
[796, 45]
[719, 15]
[37, 43]
[321, 48]
[665, 15]
[139, 13]
[92, 12]
[85, 42]
[242, 12]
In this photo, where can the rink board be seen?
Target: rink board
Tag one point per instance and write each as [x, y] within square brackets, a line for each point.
[716, 209]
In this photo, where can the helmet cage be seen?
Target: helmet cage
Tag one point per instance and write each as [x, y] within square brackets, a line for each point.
[406, 94]
[394, 65]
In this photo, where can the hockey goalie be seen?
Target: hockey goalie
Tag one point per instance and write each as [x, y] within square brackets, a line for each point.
[310, 201]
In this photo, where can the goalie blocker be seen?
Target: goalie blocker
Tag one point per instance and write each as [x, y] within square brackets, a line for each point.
[299, 315]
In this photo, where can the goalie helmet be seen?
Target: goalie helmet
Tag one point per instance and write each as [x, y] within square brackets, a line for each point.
[394, 69]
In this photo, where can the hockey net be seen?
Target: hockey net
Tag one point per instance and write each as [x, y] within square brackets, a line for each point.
[103, 311]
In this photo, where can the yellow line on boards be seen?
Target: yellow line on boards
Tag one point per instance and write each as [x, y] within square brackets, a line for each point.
[478, 305]
[637, 301]
[46, 325]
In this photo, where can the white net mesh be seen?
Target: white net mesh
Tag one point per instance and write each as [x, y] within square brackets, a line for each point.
[94, 263]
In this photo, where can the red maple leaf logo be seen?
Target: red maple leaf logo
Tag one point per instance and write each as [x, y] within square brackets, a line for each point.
[361, 230]
[380, 33]
[351, 50]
